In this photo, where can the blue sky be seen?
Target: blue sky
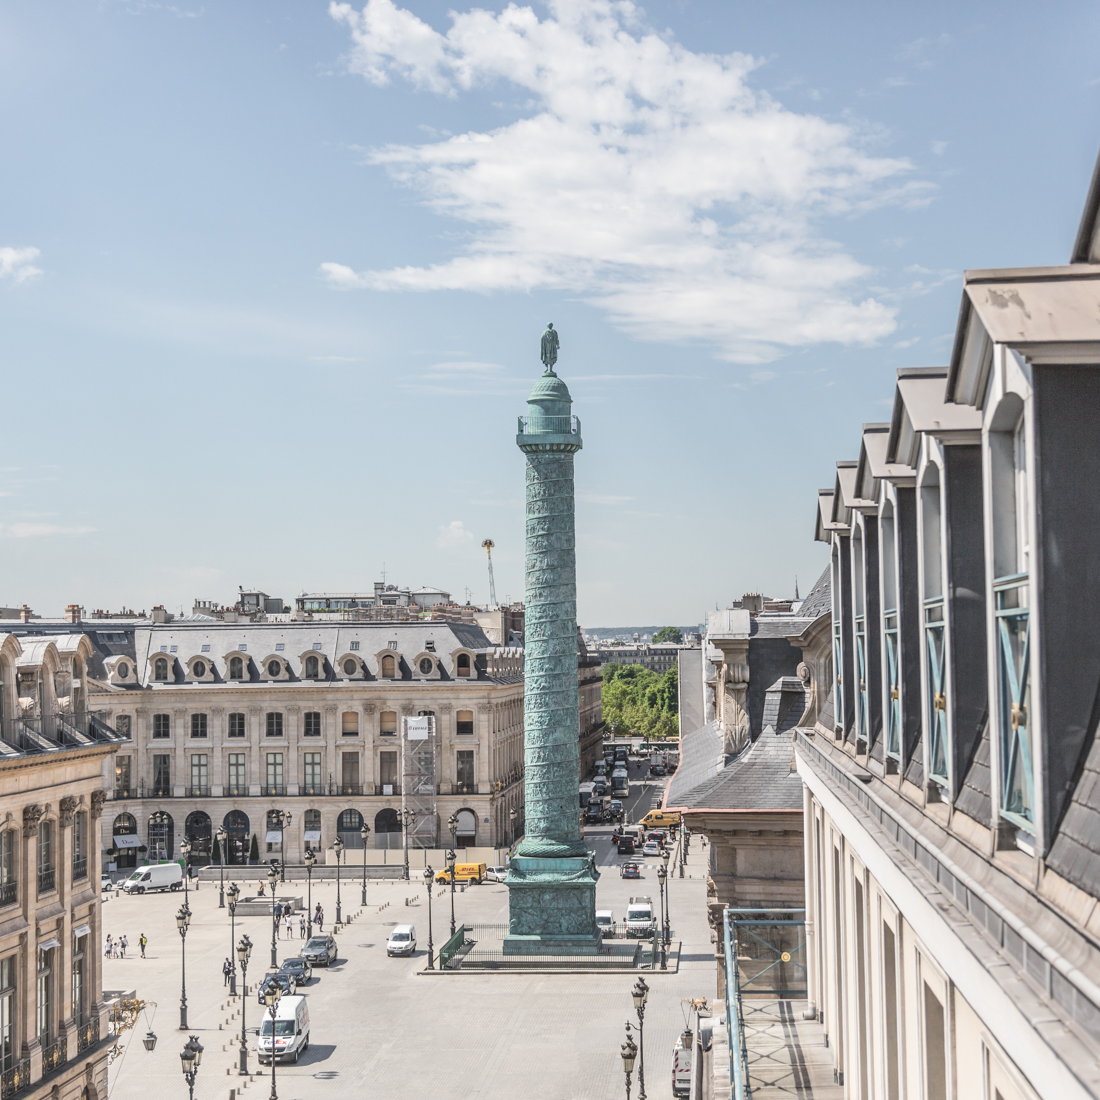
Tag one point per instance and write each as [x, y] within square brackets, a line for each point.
[273, 274]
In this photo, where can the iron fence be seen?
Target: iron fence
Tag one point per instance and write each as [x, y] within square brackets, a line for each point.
[15, 1078]
[47, 880]
[552, 425]
[449, 951]
[88, 1034]
[496, 960]
[53, 1056]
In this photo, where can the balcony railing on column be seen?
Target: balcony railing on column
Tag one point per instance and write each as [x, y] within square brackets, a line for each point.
[351, 788]
[53, 1056]
[47, 880]
[87, 1034]
[937, 688]
[80, 868]
[1012, 616]
[15, 1078]
[549, 425]
[234, 791]
[198, 792]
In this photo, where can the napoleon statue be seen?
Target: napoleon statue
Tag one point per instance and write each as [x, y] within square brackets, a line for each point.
[549, 348]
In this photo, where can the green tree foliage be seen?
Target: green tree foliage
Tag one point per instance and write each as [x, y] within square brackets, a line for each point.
[639, 702]
[216, 852]
[254, 851]
[668, 634]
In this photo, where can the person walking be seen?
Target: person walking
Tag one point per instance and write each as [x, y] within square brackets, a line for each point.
[319, 918]
[261, 893]
[143, 943]
[107, 946]
[225, 971]
[302, 926]
[122, 947]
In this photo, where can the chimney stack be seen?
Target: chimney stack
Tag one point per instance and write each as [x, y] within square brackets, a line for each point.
[25, 614]
[72, 612]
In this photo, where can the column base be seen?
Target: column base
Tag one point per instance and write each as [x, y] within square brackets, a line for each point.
[552, 906]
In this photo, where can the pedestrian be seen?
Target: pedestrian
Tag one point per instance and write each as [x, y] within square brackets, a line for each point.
[288, 923]
[225, 971]
[302, 927]
[261, 893]
[319, 918]
[122, 946]
[107, 948]
[143, 943]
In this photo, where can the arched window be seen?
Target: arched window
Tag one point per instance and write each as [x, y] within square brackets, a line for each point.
[463, 664]
[466, 836]
[162, 836]
[389, 667]
[387, 829]
[197, 829]
[348, 825]
[236, 668]
[235, 824]
[8, 888]
[311, 668]
[160, 669]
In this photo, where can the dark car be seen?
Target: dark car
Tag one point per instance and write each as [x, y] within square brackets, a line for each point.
[629, 870]
[299, 967]
[626, 846]
[594, 812]
[285, 982]
[320, 951]
[657, 769]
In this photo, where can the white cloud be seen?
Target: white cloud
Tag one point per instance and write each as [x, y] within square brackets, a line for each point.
[652, 179]
[15, 263]
[34, 530]
[477, 370]
[453, 535]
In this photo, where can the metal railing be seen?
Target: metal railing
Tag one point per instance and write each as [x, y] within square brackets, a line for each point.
[57, 732]
[497, 960]
[278, 789]
[312, 789]
[9, 892]
[53, 1056]
[47, 880]
[463, 788]
[451, 948]
[549, 425]
[395, 788]
[15, 1079]
[88, 1034]
[764, 953]
[351, 788]
[198, 792]
[235, 791]
[124, 792]
[80, 868]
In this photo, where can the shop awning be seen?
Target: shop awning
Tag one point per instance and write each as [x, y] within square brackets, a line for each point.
[127, 841]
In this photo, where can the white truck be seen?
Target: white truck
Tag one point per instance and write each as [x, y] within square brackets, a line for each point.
[681, 1065]
[639, 917]
[160, 876]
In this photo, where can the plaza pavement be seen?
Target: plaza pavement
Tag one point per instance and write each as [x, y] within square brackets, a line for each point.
[380, 1028]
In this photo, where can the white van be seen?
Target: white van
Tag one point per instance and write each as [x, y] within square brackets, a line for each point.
[402, 940]
[291, 1029]
[161, 876]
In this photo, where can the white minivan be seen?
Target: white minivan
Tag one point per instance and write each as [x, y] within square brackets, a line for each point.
[402, 940]
[291, 1031]
[161, 876]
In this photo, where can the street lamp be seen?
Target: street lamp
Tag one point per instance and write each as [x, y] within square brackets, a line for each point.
[272, 881]
[640, 993]
[628, 1052]
[280, 819]
[685, 839]
[310, 861]
[338, 848]
[183, 919]
[244, 950]
[233, 893]
[451, 873]
[430, 884]
[271, 998]
[512, 815]
[407, 818]
[668, 920]
[364, 832]
[221, 836]
[191, 1059]
[185, 851]
[662, 875]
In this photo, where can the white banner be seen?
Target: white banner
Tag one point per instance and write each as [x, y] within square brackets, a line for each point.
[418, 729]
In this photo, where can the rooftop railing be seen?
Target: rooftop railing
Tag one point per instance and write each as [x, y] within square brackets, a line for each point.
[57, 733]
[549, 425]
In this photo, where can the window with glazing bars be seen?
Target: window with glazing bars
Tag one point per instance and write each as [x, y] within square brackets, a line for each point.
[198, 725]
[162, 725]
[312, 724]
[274, 723]
[235, 763]
[8, 888]
[274, 769]
[311, 771]
[236, 725]
[1014, 699]
[162, 774]
[200, 772]
[8, 1049]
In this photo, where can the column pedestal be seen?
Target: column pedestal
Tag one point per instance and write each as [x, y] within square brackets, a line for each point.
[552, 907]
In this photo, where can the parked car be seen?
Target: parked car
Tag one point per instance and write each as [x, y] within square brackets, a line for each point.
[681, 1066]
[625, 846]
[599, 786]
[402, 941]
[629, 870]
[657, 769]
[496, 874]
[299, 967]
[651, 848]
[289, 1037]
[605, 922]
[320, 951]
[106, 882]
[285, 982]
[662, 818]
[161, 876]
[464, 872]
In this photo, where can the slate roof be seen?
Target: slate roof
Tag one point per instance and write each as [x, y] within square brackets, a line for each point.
[760, 778]
[1075, 853]
[820, 597]
[107, 640]
[701, 757]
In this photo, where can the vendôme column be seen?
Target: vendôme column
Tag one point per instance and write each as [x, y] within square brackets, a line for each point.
[552, 878]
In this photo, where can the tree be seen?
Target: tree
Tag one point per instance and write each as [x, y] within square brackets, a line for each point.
[216, 852]
[640, 702]
[668, 634]
[254, 851]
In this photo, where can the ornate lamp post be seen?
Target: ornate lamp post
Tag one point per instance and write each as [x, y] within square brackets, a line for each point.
[364, 832]
[668, 922]
[191, 1059]
[310, 861]
[338, 848]
[685, 838]
[451, 874]
[428, 873]
[628, 1051]
[640, 993]
[280, 819]
[512, 815]
[271, 999]
[272, 881]
[185, 851]
[407, 818]
[183, 919]
[221, 836]
[244, 950]
[233, 893]
[662, 875]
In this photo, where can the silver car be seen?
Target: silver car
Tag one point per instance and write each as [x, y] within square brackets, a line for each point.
[496, 874]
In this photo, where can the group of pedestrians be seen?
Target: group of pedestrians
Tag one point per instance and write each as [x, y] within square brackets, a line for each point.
[116, 948]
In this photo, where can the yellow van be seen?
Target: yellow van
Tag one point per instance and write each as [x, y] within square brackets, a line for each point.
[464, 872]
[661, 819]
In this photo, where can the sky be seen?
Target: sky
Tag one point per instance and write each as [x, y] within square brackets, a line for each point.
[273, 275]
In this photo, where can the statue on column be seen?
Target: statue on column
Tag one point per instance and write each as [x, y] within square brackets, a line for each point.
[549, 348]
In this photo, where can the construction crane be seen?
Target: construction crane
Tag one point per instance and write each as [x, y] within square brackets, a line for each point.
[489, 544]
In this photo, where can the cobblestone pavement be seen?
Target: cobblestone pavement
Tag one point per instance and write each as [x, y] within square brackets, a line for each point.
[380, 1028]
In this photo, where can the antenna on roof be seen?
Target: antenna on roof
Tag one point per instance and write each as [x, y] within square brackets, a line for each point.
[488, 544]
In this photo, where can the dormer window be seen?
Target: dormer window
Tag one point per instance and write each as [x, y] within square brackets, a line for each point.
[389, 667]
[858, 581]
[934, 639]
[350, 667]
[393, 645]
[426, 666]
[205, 649]
[311, 668]
[198, 669]
[280, 646]
[122, 670]
[890, 630]
[274, 668]
[462, 665]
[236, 668]
[160, 669]
[355, 647]
[429, 645]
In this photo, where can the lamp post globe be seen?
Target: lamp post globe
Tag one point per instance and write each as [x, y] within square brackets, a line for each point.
[667, 931]
[512, 815]
[451, 858]
[429, 875]
[244, 951]
[364, 832]
[272, 996]
[183, 920]
[628, 1052]
[310, 862]
[273, 881]
[233, 893]
[338, 848]
[640, 994]
[221, 836]
[190, 1060]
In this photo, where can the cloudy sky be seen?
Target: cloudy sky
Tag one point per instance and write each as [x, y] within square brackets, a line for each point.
[273, 274]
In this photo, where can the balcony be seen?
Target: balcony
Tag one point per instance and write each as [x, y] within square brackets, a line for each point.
[124, 792]
[53, 1056]
[15, 1079]
[348, 789]
[549, 425]
[198, 792]
[158, 790]
[387, 788]
[463, 788]
[87, 1035]
[273, 791]
[312, 790]
[80, 868]
[47, 880]
[235, 790]
[9, 892]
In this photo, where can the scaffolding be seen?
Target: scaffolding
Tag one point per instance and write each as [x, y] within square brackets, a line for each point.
[418, 784]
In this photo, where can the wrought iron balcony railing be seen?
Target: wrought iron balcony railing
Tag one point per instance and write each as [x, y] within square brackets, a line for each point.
[15, 1078]
[549, 425]
[88, 1034]
[53, 1056]
[351, 788]
[235, 790]
[47, 880]
[198, 792]
[463, 788]
[9, 892]
[387, 788]
[272, 791]
[80, 868]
